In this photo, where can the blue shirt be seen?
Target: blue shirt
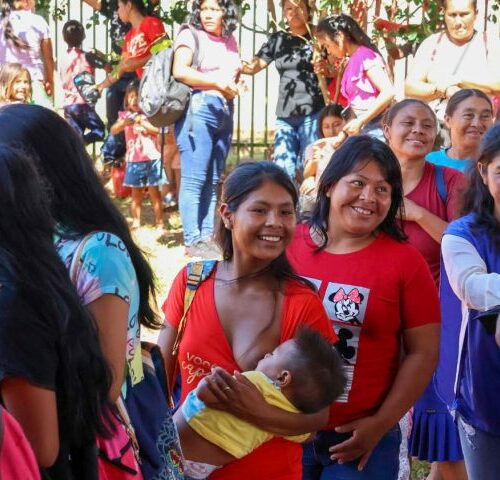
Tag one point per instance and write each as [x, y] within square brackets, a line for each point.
[441, 157]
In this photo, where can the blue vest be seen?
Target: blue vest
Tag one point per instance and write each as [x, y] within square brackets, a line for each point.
[477, 394]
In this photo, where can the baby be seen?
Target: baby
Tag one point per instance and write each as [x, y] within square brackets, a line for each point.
[301, 375]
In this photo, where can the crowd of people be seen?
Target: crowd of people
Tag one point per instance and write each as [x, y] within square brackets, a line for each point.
[344, 316]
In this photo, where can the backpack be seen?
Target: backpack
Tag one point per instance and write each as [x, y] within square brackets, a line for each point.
[162, 98]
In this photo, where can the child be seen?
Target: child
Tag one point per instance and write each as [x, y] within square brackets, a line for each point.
[79, 114]
[143, 164]
[15, 84]
[301, 375]
[317, 155]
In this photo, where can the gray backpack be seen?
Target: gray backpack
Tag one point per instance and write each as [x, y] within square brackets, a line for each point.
[162, 98]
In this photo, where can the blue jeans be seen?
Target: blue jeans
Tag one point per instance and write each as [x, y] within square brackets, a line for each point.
[114, 145]
[293, 135]
[203, 137]
[481, 452]
[383, 463]
[83, 117]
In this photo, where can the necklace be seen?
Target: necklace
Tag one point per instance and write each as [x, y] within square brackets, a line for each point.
[248, 276]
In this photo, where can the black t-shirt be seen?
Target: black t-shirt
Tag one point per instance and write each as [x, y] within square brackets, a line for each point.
[299, 92]
[29, 349]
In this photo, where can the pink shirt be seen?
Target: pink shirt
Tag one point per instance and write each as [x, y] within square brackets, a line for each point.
[356, 86]
[219, 56]
[70, 65]
[141, 145]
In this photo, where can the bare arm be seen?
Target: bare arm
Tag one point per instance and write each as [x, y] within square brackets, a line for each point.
[422, 349]
[151, 129]
[244, 400]
[380, 79]
[95, 4]
[253, 66]
[120, 125]
[166, 341]
[111, 316]
[48, 63]
[35, 409]
[431, 223]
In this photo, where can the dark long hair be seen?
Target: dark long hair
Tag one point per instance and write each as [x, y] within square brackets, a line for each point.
[6, 7]
[353, 152]
[478, 199]
[229, 21]
[28, 253]
[144, 8]
[330, 26]
[79, 202]
[239, 184]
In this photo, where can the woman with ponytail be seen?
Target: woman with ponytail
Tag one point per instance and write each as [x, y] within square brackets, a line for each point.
[25, 39]
[365, 83]
[53, 376]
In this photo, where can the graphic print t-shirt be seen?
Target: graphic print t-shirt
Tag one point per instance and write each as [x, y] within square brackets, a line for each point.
[370, 296]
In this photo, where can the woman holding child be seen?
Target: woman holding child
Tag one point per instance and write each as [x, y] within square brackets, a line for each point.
[251, 303]
[372, 283]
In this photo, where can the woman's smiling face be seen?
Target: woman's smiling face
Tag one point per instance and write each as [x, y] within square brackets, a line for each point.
[359, 201]
[263, 224]
[412, 132]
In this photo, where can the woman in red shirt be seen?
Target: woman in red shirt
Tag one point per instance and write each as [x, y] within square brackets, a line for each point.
[251, 302]
[381, 299]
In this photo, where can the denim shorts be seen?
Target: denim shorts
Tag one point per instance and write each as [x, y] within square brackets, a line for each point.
[145, 174]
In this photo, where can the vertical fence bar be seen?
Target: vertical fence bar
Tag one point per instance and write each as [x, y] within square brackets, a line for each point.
[252, 109]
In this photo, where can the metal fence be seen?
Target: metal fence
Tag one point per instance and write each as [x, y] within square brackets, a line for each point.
[254, 111]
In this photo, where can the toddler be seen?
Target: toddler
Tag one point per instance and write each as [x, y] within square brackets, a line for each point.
[15, 84]
[143, 159]
[79, 114]
[301, 375]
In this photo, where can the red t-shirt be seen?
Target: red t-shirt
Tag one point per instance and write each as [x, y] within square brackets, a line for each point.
[370, 296]
[138, 41]
[204, 345]
[17, 459]
[426, 195]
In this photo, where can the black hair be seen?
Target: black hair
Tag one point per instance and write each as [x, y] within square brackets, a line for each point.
[391, 114]
[229, 20]
[445, 4]
[5, 8]
[330, 26]
[458, 97]
[478, 199]
[28, 254]
[318, 376]
[357, 150]
[239, 184]
[131, 86]
[79, 203]
[144, 8]
[73, 33]
[332, 110]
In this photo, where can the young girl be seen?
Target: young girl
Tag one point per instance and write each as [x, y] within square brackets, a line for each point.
[144, 167]
[15, 84]
[318, 154]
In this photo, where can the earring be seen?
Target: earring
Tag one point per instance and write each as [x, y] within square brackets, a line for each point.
[277, 384]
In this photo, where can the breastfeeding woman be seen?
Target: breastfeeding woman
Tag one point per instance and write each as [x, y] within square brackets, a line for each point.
[251, 302]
